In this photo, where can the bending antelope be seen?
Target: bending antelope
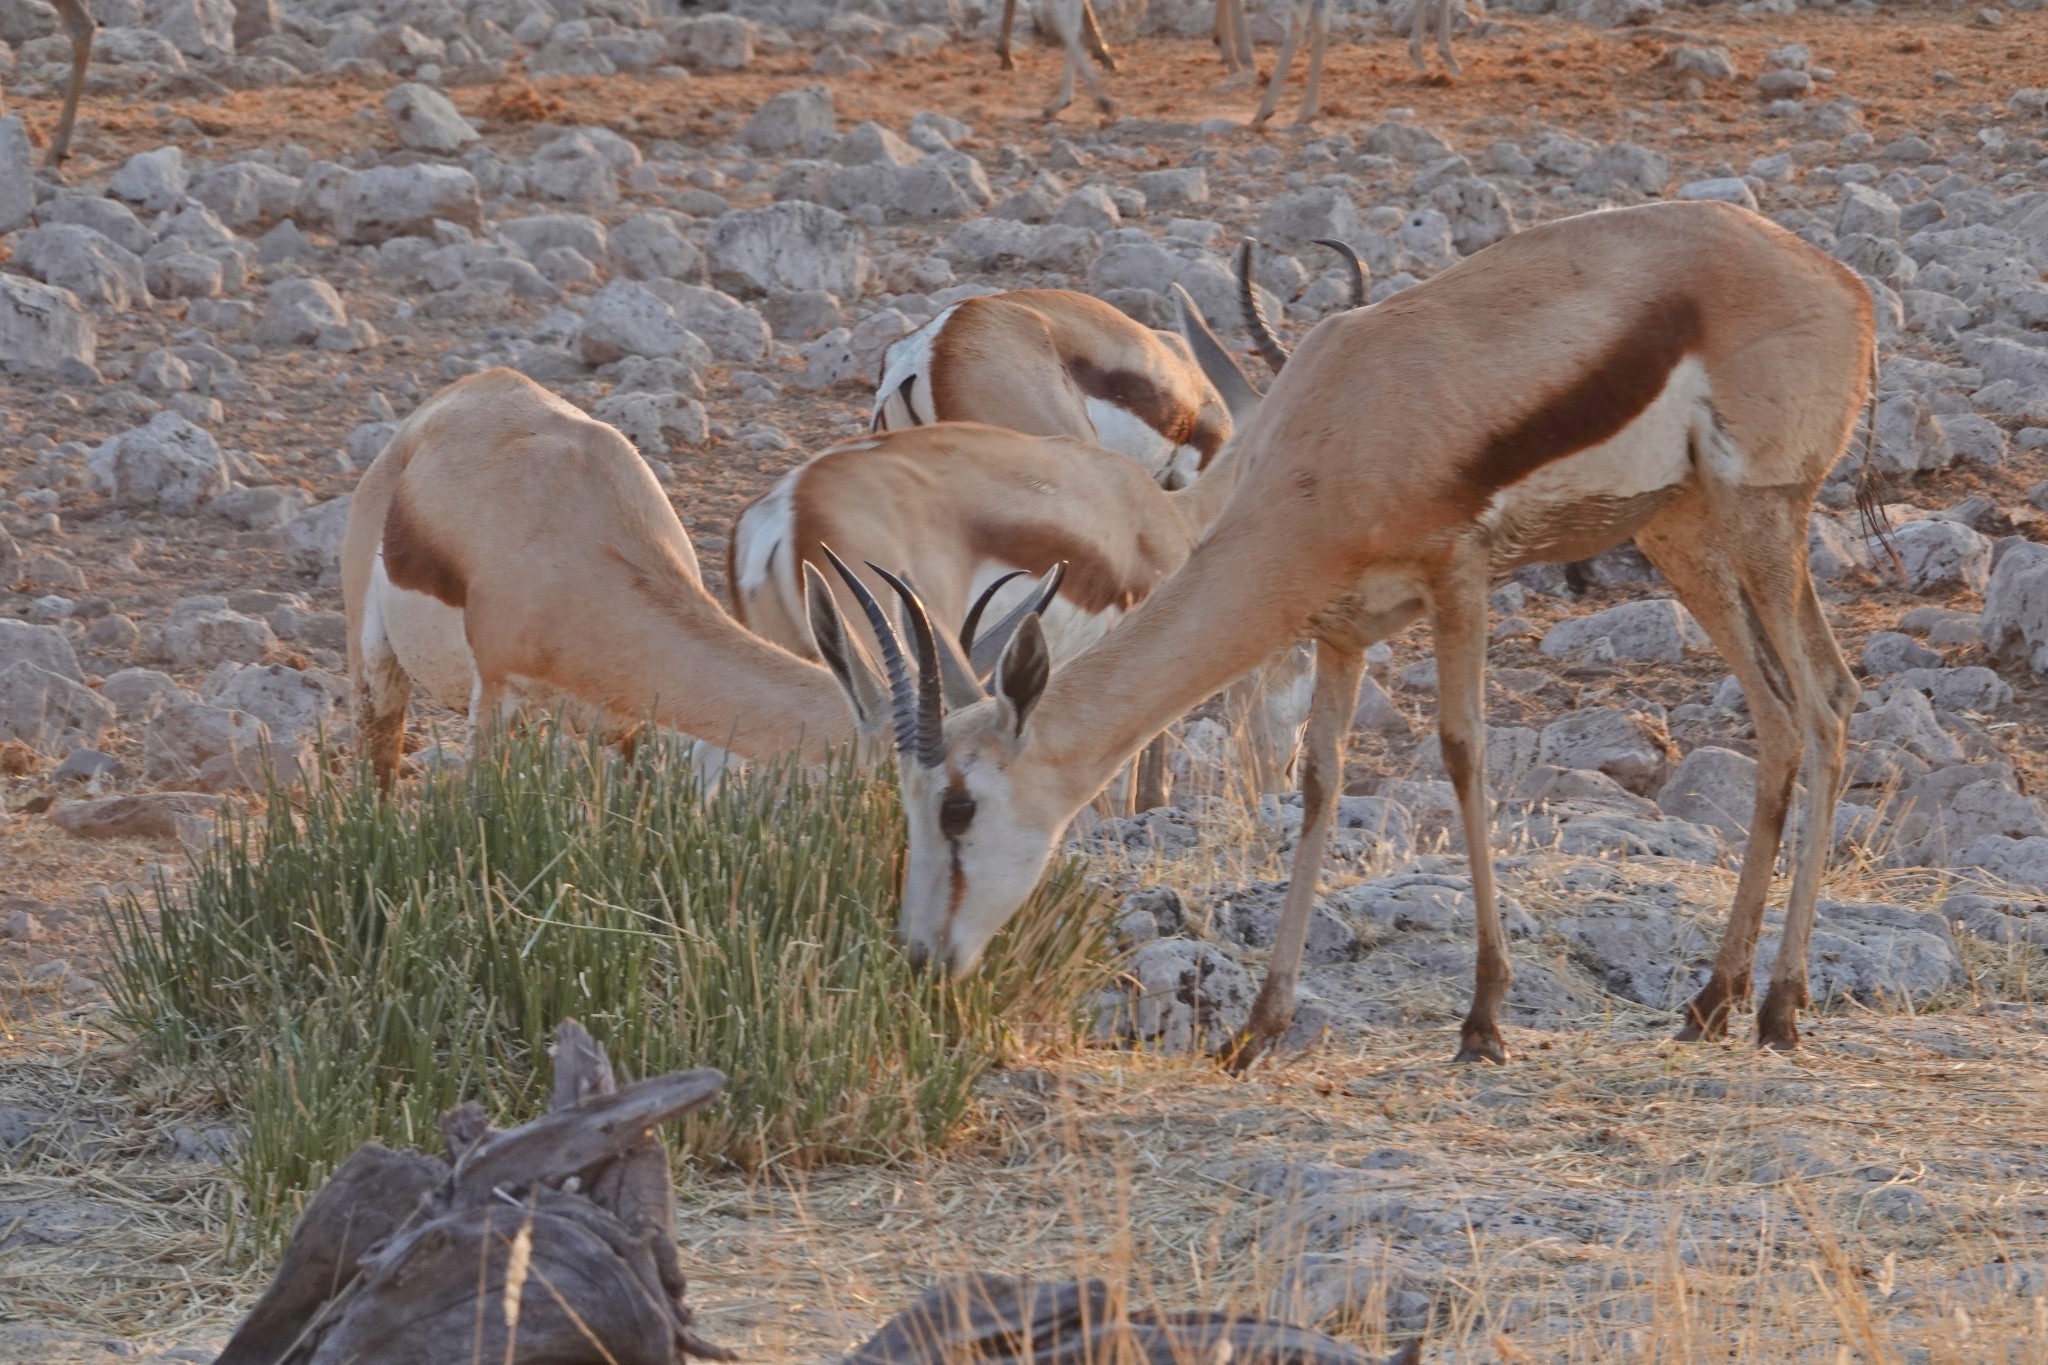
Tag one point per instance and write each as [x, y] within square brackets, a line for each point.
[960, 507]
[1052, 362]
[1691, 391]
[506, 548]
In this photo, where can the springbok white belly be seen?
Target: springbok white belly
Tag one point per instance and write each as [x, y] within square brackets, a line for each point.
[427, 635]
[1594, 498]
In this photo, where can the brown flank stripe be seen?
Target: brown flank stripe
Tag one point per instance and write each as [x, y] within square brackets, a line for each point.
[1610, 393]
[412, 562]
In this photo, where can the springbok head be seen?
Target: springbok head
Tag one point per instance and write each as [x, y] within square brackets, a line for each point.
[977, 844]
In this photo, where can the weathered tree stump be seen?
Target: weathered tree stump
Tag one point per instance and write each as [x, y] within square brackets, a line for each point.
[552, 1243]
[986, 1319]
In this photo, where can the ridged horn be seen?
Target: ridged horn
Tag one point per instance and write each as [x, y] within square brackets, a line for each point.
[931, 700]
[903, 699]
[1263, 340]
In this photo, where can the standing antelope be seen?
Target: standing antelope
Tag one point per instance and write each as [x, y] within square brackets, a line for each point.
[1079, 28]
[1052, 362]
[506, 548]
[1683, 373]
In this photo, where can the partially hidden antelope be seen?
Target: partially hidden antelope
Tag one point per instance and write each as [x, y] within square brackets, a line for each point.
[959, 506]
[507, 550]
[1053, 362]
[1079, 33]
[1683, 373]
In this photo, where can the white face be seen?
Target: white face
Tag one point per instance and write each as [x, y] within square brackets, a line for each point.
[977, 847]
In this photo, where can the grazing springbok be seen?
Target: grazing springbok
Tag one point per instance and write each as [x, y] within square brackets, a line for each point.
[960, 508]
[1683, 373]
[506, 549]
[1052, 362]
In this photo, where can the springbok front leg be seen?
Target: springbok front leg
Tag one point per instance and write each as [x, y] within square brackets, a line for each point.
[1068, 15]
[1457, 609]
[1004, 57]
[1149, 790]
[1318, 43]
[1296, 22]
[1338, 670]
[1091, 34]
[1234, 42]
[78, 23]
[1437, 14]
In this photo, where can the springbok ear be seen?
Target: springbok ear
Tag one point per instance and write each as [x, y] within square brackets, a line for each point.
[844, 655]
[1021, 674]
[1215, 360]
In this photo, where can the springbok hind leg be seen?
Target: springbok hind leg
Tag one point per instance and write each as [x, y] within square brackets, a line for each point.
[1685, 546]
[1745, 578]
[1418, 24]
[1826, 703]
[79, 25]
[383, 689]
[1445, 12]
[1338, 669]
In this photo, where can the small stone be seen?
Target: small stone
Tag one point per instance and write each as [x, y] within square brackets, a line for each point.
[298, 310]
[426, 120]
[185, 816]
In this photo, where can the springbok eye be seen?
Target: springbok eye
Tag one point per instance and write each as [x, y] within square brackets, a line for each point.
[956, 813]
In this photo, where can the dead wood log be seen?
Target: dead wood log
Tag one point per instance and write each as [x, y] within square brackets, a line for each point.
[370, 1196]
[988, 1319]
[552, 1243]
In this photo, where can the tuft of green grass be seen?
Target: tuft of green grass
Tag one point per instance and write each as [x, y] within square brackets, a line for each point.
[346, 967]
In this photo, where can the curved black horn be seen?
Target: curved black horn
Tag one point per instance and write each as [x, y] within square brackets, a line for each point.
[931, 700]
[973, 621]
[989, 647]
[1358, 271]
[902, 698]
[1263, 340]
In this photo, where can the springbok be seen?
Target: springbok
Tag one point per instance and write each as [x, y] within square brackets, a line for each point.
[506, 549]
[1684, 373]
[1053, 362]
[1080, 35]
[957, 506]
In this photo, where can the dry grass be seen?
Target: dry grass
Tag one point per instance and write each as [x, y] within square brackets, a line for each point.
[1157, 1172]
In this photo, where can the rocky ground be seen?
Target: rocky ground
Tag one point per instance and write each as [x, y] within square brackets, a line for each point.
[285, 226]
